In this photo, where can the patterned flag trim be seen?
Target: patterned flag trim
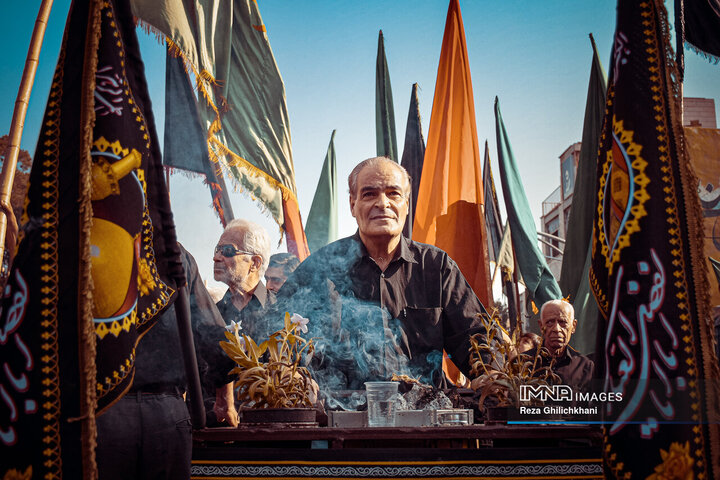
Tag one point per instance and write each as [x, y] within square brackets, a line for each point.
[647, 272]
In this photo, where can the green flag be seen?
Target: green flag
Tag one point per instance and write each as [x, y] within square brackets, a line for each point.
[584, 340]
[576, 265]
[538, 278]
[185, 145]
[413, 155]
[386, 139]
[226, 47]
[321, 226]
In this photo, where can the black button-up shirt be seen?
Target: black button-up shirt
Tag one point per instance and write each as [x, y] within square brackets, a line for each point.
[372, 323]
[573, 368]
[254, 318]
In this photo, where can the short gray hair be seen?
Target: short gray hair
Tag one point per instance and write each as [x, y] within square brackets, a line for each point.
[256, 240]
[287, 261]
[374, 162]
[566, 306]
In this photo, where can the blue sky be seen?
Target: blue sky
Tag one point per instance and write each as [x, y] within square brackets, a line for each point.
[535, 56]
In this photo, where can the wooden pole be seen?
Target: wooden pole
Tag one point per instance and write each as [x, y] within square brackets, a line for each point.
[18, 119]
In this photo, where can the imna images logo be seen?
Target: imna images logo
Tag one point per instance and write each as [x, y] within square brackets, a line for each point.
[543, 393]
[559, 393]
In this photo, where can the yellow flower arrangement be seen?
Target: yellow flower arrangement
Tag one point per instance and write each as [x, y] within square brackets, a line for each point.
[499, 370]
[270, 375]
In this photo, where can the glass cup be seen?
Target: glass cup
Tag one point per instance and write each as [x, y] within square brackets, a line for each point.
[381, 403]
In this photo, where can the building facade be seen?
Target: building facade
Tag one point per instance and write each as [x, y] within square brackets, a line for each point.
[556, 209]
[697, 112]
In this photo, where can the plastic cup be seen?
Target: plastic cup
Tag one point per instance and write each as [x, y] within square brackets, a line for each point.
[381, 403]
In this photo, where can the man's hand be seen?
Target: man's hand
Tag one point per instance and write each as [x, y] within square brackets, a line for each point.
[225, 405]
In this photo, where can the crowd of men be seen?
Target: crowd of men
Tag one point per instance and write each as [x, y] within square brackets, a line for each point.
[378, 303]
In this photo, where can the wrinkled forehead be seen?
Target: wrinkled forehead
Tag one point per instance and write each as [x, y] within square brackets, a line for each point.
[233, 236]
[555, 312]
[381, 177]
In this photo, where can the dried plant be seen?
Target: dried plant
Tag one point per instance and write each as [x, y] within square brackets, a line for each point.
[499, 370]
[270, 375]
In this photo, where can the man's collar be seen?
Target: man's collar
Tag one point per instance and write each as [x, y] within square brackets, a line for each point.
[567, 355]
[404, 252]
[571, 352]
[261, 293]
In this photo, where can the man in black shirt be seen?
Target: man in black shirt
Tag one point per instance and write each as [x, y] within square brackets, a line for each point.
[147, 433]
[557, 324]
[379, 302]
[240, 260]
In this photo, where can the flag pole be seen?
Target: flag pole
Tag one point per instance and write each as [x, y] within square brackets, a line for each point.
[18, 119]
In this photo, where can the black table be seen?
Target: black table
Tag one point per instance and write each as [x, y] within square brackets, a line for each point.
[457, 452]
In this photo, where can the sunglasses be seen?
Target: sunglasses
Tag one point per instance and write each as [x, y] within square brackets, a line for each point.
[230, 251]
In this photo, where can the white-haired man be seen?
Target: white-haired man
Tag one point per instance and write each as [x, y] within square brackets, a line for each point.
[240, 260]
[557, 324]
[378, 302]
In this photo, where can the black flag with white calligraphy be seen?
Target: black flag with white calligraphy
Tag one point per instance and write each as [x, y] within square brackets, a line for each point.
[93, 262]
[648, 272]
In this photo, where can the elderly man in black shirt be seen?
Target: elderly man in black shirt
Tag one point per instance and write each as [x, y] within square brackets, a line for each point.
[557, 324]
[381, 303]
[240, 260]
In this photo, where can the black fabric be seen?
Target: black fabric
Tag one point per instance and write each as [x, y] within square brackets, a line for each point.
[159, 357]
[255, 319]
[129, 243]
[145, 437]
[413, 156]
[648, 274]
[372, 324]
[702, 24]
[42, 287]
[573, 368]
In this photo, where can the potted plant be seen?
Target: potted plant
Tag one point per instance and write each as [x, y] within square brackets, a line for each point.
[500, 370]
[272, 385]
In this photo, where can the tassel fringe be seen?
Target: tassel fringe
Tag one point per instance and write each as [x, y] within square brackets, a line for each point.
[208, 87]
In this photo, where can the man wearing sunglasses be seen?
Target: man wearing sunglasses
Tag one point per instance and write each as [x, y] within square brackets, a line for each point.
[240, 260]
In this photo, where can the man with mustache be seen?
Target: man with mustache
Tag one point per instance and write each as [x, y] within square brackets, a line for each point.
[557, 324]
[240, 260]
[378, 302]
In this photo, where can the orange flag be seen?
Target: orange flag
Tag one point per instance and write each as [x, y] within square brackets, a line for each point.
[450, 199]
[296, 239]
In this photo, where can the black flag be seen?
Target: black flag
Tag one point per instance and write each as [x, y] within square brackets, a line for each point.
[648, 272]
[98, 259]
